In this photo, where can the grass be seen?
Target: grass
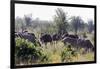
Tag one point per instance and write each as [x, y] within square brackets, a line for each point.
[53, 52]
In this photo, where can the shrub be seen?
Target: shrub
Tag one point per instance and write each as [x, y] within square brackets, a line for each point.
[68, 53]
[25, 50]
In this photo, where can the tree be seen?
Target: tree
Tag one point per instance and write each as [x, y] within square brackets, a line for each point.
[28, 20]
[19, 24]
[77, 23]
[90, 26]
[61, 21]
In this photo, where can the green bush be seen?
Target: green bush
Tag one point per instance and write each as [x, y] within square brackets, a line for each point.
[25, 50]
[68, 53]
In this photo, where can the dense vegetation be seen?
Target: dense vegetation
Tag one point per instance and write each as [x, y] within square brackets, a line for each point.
[27, 52]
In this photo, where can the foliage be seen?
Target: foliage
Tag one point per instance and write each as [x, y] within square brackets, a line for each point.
[27, 50]
[28, 20]
[77, 23]
[90, 26]
[67, 54]
[61, 21]
[19, 24]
